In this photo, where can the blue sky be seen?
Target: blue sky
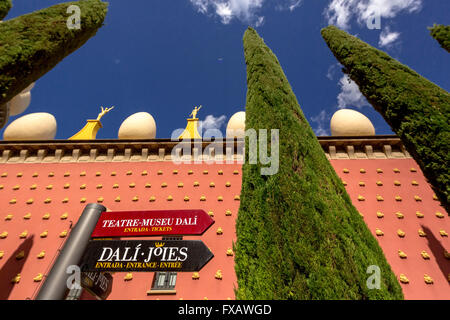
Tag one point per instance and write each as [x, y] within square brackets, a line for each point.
[164, 57]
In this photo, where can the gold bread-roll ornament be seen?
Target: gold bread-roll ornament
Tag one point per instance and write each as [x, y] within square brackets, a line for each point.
[399, 215]
[38, 277]
[403, 278]
[218, 275]
[128, 276]
[195, 276]
[425, 255]
[402, 255]
[428, 279]
[16, 278]
[41, 254]
[439, 215]
[20, 255]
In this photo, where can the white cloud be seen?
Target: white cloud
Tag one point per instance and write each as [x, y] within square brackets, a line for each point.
[332, 70]
[211, 122]
[246, 11]
[350, 96]
[388, 37]
[322, 121]
[290, 5]
[340, 12]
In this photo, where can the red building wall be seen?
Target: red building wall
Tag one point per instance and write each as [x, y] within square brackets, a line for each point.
[99, 183]
[61, 185]
[414, 267]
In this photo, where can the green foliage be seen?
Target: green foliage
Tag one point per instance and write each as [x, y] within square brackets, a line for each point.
[5, 6]
[415, 108]
[298, 234]
[32, 44]
[442, 34]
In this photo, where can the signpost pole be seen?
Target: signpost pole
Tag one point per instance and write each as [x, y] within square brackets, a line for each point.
[55, 286]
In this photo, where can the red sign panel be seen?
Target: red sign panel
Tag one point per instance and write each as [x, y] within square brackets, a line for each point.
[152, 223]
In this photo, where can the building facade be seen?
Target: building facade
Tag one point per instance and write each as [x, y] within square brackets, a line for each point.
[45, 185]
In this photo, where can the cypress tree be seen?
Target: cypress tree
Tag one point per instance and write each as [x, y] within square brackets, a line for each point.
[32, 44]
[298, 234]
[442, 34]
[415, 108]
[5, 6]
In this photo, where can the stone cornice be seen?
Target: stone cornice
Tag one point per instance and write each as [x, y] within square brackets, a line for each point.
[65, 151]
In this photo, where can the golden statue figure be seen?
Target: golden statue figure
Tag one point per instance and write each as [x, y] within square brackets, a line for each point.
[195, 111]
[89, 131]
[104, 111]
[191, 131]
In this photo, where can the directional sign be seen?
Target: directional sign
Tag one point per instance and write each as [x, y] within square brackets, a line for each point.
[145, 255]
[152, 223]
[99, 284]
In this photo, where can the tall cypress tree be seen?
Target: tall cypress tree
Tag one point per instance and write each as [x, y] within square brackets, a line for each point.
[415, 108]
[32, 44]
[298, 234]
[442, 35]
[5, 5]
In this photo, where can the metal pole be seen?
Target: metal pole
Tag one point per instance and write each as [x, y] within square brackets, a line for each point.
[55, 286]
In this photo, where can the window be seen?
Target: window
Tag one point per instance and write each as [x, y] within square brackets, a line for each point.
[165, 280]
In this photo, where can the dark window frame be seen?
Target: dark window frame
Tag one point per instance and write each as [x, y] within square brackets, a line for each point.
[170, 278]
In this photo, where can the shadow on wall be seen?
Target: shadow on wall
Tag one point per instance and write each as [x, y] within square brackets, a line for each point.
[438, 252]
[13, 266]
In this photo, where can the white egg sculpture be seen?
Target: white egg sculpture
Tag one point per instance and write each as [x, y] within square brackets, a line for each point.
[347, 122]
[236, 125]
[139, 125]
[19, 103]
[33, 126]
